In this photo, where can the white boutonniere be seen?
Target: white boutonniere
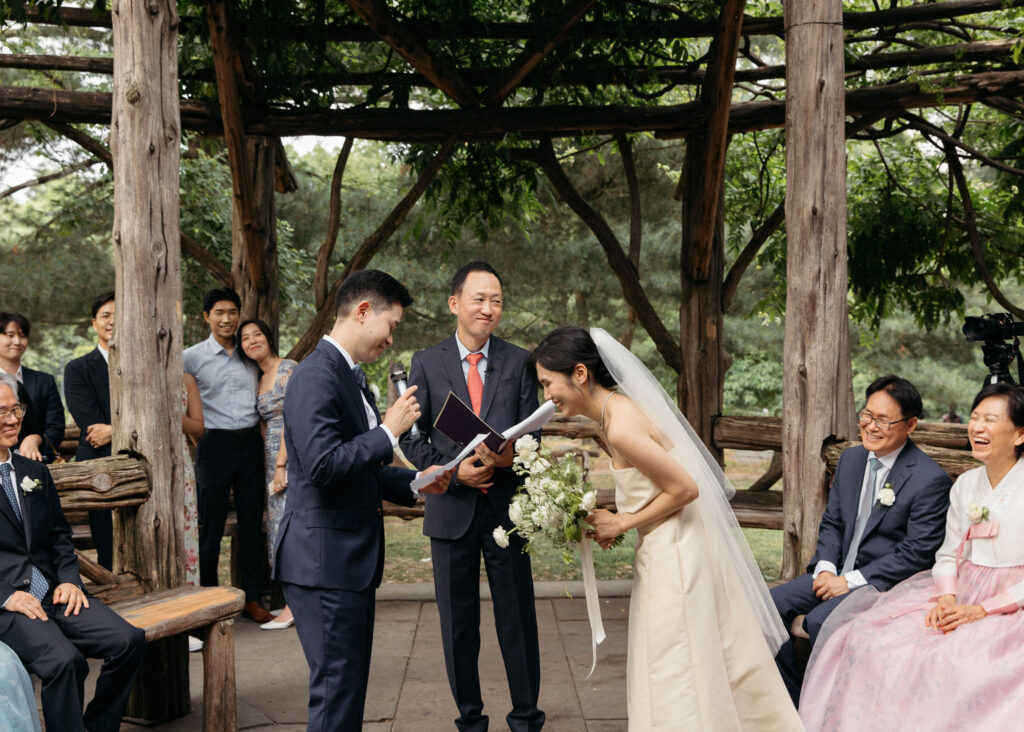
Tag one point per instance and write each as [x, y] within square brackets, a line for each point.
[28, 485]
[886, 496]
[376, 393]
[977, 513]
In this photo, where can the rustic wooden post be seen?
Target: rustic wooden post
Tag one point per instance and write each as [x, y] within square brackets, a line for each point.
[146, 353]
[701, 317]
[258, 302]
[817, 396]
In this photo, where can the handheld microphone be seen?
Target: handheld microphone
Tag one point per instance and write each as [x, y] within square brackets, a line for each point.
[400, 379]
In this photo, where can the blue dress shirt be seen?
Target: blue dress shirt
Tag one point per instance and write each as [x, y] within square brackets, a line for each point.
[227, 385]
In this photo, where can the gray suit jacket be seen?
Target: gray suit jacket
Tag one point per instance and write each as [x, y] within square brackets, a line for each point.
[510, 396]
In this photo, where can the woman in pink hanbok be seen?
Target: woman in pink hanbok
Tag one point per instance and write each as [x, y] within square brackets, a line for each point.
[941, 651]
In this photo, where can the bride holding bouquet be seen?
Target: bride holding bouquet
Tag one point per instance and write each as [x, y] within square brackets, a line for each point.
[702, 627]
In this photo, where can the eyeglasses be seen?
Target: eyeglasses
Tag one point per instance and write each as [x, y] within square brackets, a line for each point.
[17, 411]
[865, 418]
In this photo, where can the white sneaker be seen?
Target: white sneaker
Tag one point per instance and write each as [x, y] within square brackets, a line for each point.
[194, 644]
[278, 624]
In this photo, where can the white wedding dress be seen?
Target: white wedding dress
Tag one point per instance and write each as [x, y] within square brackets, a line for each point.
[697, 657]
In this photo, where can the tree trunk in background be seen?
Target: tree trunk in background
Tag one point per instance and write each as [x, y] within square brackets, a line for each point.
[262, 302]
[701, 319]
[817, 387]
[702, 257]
[146, 351]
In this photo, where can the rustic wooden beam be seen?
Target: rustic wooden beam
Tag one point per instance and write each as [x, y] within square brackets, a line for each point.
[445, 77]
[95, 572]
[226, 64]
[667, 122]
[114, 482]
[705, 152]
[954, 462]
[599, 30]
[534, 53]
[765, 433]
[998, 50]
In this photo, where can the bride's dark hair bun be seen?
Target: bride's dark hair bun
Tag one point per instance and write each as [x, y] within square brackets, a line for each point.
[564, 347]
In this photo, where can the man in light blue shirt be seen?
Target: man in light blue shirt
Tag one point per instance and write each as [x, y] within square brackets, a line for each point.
[230, 453]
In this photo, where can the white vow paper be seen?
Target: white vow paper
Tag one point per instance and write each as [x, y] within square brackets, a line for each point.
[428, 478]
[534, 422]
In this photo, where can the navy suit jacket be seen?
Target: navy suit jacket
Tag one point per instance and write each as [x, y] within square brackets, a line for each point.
[332, 531]
[45, 413]
[87, 390]
[899, 540]
[510, 396]
[43, 541]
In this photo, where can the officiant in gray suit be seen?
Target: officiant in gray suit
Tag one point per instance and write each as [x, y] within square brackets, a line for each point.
[491, 376]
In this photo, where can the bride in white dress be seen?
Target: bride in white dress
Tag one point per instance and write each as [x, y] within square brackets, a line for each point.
[702, 628]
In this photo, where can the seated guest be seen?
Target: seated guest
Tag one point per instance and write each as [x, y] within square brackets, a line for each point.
[43, 427]
[17, 699]
[46, 618]
[940, 651]
[883, 521]
[87, 389]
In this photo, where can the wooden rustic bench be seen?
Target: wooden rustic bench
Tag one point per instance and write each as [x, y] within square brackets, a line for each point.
[208, 613]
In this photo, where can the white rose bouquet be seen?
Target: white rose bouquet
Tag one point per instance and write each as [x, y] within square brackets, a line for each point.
[553, 501]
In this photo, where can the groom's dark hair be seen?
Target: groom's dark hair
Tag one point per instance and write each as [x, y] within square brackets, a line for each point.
[378, 288]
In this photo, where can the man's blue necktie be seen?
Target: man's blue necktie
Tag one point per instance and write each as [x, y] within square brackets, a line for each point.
[867, 502]
[38, 585]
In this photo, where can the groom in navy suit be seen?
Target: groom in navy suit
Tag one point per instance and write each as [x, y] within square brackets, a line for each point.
[490, 375]
[885, 518]
[330, 547]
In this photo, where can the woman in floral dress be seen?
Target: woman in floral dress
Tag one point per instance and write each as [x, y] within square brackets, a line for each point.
[257, 341]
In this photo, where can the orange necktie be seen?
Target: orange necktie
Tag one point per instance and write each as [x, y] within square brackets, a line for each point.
[474, 383]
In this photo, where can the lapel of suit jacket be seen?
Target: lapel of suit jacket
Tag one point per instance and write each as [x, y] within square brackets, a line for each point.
[99, 373]
[452, 366]
[901, 471]
[495, 363]
[20, 472]
[347, 381]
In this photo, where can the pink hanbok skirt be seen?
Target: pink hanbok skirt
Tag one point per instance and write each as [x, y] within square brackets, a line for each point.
[876, 666]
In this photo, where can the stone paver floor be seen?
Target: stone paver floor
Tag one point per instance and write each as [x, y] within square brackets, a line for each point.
[408, 687]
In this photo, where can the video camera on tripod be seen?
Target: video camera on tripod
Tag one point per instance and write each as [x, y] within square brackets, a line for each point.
[1001, 344]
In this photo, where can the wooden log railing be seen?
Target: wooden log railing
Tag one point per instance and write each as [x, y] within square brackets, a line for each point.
[113, 482]
[121, 481]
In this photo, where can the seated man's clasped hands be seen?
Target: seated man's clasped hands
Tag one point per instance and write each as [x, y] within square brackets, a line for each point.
[47, 620]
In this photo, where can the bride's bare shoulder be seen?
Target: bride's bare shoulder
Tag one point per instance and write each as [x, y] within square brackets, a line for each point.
[625, 419]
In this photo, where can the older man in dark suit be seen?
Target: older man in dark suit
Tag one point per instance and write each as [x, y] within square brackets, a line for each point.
[885, 518]
[491, 375]
[87, 391]
[46, 617]
[330, 547]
